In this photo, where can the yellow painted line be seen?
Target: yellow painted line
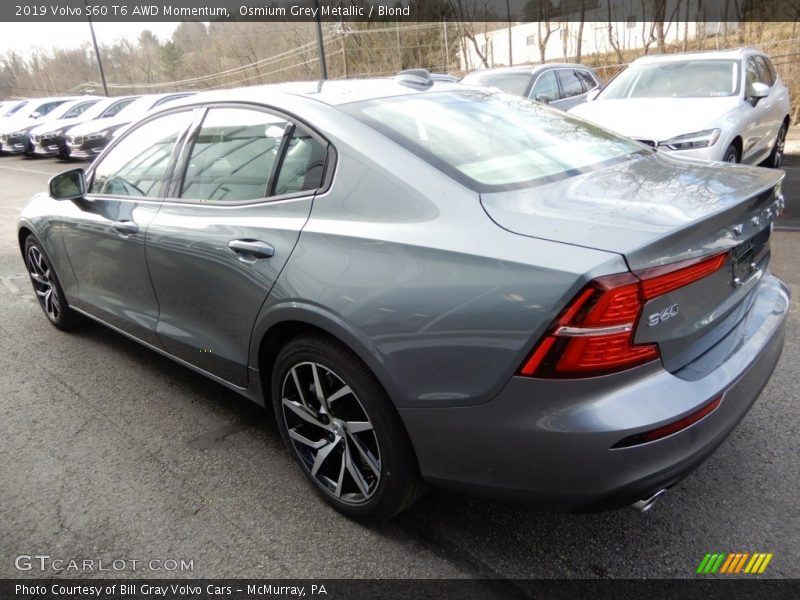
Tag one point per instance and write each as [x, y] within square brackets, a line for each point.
[767, 558]
[758, 563]
[749, 566]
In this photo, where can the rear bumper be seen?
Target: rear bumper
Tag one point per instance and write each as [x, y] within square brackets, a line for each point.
[548, 443]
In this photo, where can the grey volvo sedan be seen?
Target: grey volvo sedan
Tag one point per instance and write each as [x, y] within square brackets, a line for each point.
[430, 283]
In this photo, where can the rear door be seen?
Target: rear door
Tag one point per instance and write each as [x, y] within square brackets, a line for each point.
[104, 232]
[240, 197]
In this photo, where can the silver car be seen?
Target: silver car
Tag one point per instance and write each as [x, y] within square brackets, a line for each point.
[727, 105]
[562, 85]
[430, 283]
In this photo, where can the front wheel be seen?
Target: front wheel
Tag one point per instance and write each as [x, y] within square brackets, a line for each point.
[342, 429]
[776, 156]
[731, 154]
[46, 286]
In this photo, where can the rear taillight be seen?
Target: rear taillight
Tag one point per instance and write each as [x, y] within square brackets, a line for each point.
[594, 334]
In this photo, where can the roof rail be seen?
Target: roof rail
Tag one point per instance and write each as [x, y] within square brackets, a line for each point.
[420, 77]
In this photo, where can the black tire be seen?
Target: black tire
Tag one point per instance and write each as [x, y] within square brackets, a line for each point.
[731, 154]
[389, 451]
[54, 306]
[776, 156]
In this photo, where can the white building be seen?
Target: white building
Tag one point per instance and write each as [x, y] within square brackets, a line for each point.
[600, 35]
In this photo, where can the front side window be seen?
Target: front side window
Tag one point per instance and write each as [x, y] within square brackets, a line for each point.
[43, 109]
[676, 79]
[764, 74]
[570, 84]
[78, 110]
[751, 75]
[137, 164]
[115, 108]
[491, 141]
[233, 156]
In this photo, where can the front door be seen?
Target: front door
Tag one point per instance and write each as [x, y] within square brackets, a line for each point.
[104, 232]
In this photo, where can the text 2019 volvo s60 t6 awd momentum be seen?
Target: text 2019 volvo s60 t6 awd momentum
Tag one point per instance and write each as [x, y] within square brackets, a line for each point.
[430, 283]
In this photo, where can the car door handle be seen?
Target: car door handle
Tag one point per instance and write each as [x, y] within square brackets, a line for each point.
[125, 227]
[255, 248]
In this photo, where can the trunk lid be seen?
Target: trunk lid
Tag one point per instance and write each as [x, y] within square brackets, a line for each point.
[657, 210]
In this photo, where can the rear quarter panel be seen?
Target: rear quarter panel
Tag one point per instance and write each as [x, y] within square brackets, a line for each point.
[403, 265]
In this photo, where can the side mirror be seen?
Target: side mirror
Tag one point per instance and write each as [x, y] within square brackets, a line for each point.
[758, 90]
[69, 185]
[35, 114]
[543, 99]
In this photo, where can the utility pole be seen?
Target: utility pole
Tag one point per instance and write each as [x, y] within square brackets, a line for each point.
[96, 51]
[323, 68]
[508, 14]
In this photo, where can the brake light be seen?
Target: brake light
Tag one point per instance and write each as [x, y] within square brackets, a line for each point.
[594, 334]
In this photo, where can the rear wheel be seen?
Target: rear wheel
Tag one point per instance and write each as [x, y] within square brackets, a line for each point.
[46, 286]
[342, 429]
[731, 154]
[776, 157]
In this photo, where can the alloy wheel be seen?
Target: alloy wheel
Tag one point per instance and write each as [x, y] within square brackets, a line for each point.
[331, 432]
[780, 145]
[46, 293]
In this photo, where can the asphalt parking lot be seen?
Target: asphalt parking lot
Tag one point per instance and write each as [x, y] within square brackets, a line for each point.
[110, 451]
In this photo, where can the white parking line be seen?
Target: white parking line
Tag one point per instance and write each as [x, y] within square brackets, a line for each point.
[26, 170]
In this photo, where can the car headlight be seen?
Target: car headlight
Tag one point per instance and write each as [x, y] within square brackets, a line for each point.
[20, 133]
[690, 141]
[96, 136]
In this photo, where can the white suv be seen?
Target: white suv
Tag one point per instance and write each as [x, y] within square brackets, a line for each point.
[723, 105]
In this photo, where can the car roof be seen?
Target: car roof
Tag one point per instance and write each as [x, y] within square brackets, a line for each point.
[530, 68]
[331, 92]
[735, 53]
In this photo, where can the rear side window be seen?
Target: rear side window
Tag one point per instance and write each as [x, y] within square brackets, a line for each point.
[240, 152]
[303, 164]
[587, 80]
[233, 156]
[137, 164]
[570, 83]
[491, 141]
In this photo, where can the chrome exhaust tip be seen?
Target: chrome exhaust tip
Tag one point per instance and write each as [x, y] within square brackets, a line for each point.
[647, 503]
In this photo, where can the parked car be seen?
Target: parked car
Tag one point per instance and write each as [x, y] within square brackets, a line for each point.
[563, 85]
[87, 140]
[14, 129]
[49, 139]
[728, 105]
[10, 107]
[430, 282]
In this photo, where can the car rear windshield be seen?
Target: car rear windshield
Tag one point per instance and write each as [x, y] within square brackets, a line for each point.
[512, 82]
[676, 79]
[491, 141]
